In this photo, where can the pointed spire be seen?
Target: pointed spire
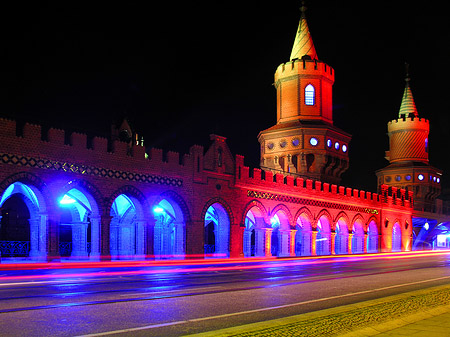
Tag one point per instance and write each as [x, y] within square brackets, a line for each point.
[303, 44]
[408, 106]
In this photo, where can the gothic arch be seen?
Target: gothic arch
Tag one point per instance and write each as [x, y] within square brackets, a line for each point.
[326, 214]
[259, 206]
[223, 203]
[284, 209]
[306, 212]
[360, 218]
[178, 199]
[344, 216]
[133, 192]
[98, 201]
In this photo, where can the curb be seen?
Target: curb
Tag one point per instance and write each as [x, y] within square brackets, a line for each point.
[365, 318]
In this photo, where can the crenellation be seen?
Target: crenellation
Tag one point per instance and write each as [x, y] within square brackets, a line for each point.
[99, 144]
[355, 193]
[156, 155]
[318, 185]
[279, 178]
[138, 151]
[78, 140]
[334, 189]
[348, 191]
[173, 157]
[289, 180]
[56, 136]
[268, 176]
[120, 148]
[309, 184]
[7, 127]
[257, 174]
[326, 187]
[32, 132]
[342, 190]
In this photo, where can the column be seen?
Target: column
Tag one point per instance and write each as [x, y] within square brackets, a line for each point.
[260, 238]
[292, 235]
[53, 237]
[34, 237]
[284, 243]
[105, 221]
[95, 237]
[179, 241]
[366, 243]
[79, 240]
[333, 243]
[350, 238]
[268, 241]
[313, 243]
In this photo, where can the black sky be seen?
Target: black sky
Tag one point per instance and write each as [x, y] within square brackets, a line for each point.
[183, 70]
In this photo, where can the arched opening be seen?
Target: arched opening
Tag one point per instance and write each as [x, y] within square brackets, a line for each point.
[217, 231]
[79, 233]
[254, 233]
[358, 237]
[323, 236]
[23, 222]
[396, 238]
[126, 228]
[169, 232]
[280, 242]
[341, 238]
[372, 237]
[309, 95]
[303, 236]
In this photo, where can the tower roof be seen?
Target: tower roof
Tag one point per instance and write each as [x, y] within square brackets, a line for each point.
[303, 44]
[408, 106]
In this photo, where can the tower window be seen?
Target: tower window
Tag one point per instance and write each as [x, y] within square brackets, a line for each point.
[309, 95]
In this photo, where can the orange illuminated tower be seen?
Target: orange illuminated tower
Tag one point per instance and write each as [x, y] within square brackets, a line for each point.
[408, 156]
[304, 141]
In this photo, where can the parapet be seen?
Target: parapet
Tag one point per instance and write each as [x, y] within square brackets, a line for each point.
[409, 123]
[304, 67]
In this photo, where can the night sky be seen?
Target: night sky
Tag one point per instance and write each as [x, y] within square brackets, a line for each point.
[183, 70]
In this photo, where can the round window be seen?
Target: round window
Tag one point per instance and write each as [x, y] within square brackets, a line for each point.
[283, 143]
[408, 177]
[270, 146]
[336, 145]
[313, 141]
[398, 178]
[344, 148]
[329, 143]
[295, 142]
[420, 177]
[388, 179]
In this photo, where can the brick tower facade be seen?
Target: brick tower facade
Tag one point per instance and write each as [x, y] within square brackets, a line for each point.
[409, 166]
[304, 141]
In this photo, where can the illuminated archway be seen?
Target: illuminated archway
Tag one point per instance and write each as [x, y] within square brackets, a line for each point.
[303, 235]
[169, 231]
[372, 237]
[396, 238]
[358, 237]
[255, 231]
[23, 230]
[79, 228]
[280, 243]
[125, 229]
[323, 236]
[341, 238]
[217, 231]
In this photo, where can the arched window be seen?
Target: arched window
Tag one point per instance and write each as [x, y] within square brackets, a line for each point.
[310, 95]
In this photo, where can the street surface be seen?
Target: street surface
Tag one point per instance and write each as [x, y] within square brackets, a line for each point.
[172, 298]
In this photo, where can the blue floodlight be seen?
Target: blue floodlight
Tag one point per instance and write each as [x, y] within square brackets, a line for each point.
[67, 200]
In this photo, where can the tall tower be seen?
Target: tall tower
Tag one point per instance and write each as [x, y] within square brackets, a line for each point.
[304, 141]
[409, 167]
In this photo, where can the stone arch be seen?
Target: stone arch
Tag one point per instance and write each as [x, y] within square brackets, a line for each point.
[396, 236]
[217, 217]
[342, 228]
[256, 222]
[171, 216]
[358, 231]
[129, 213]
[35, 195]
[323, 225]
[80, 222]
[281, 223]
[372, 235]
[303, 235]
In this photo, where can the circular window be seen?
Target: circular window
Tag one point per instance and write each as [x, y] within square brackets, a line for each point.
[283, 143]
[336, 145]
[313, 141]
[329, 142]
[270, 146]
[438, 180]
[434, 179]
[408, 177]
[295, 142]
[344, 148]
[388, 179]
[398, 178]
[420, 177]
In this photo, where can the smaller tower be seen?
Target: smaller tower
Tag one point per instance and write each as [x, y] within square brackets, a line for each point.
[409, 167]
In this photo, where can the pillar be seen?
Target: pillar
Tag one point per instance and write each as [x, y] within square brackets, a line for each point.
[313, 243]
[268, 242]
[53, 237]
[95, 237]
[105, 222]
[79, 239]
[292, 236]
[366, 243]
[237, 240]
[333, 243]
[260, 239]
[284, 241]
[350, 238]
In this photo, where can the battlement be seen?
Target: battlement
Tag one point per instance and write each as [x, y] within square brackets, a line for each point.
[304, 67]
[34, 140]
[411, 123]
[266, 179]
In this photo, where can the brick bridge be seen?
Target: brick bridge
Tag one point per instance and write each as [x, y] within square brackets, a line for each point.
[65, 197]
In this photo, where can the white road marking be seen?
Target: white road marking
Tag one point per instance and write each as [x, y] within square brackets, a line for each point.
[153, 326]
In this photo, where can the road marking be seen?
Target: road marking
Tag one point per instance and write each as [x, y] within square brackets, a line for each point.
[171, 291]
[153, 326]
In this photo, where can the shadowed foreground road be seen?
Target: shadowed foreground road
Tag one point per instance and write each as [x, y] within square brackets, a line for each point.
[184, 297]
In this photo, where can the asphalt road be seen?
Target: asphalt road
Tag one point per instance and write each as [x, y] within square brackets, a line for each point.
[172, 299]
